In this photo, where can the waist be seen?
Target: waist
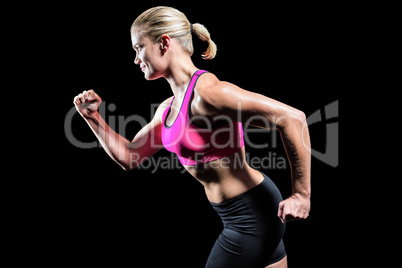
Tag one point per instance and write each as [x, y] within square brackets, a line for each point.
[265, 193]
[240, 212]
[227, 177]
[222, 171]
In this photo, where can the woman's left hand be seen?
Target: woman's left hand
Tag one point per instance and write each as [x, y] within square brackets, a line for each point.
[296, 207]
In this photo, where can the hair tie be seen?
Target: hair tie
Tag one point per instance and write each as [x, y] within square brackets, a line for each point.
[191, 27]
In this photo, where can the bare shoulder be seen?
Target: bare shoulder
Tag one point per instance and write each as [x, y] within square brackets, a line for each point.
[166, 102]
[221, 97]
[208, 84]
[215, 93]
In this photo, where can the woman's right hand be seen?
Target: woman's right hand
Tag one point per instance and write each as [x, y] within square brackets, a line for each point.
[87, 103]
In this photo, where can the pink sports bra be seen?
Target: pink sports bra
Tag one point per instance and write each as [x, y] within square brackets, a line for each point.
[194, 145]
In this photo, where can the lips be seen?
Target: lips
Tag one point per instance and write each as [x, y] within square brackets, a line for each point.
[142, 67]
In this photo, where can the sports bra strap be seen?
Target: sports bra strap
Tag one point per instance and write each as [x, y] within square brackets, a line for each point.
[190, 90]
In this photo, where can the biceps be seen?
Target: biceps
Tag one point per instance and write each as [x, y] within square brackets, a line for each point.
[256, 109]
[147, 141]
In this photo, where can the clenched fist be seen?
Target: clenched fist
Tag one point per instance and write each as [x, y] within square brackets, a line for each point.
[87, 103]
[296, 207]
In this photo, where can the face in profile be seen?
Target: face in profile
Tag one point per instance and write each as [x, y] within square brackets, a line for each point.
[148, 56]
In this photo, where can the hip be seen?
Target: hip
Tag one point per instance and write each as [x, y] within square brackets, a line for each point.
[256, 207]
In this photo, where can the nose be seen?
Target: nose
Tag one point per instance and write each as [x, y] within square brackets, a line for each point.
[137, 59]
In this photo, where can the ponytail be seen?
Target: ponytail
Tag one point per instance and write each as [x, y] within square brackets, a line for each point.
[160, 20]
[201, 32]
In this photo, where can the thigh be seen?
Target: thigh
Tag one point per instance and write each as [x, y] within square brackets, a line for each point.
[280, 264]
[236, 250]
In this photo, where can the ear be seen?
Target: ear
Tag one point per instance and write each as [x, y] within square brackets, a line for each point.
[165, 43]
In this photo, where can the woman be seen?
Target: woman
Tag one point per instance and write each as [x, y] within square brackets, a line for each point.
[202, 124]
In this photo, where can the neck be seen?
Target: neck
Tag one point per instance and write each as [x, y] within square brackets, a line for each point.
[179, 74]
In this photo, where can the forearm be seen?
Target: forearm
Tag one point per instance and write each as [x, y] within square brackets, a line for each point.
[296, 140]
[115, 145]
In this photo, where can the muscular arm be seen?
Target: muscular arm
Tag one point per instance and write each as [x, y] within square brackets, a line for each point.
[127, 154]
[226, 98]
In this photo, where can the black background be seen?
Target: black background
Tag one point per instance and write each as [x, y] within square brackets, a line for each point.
[91, 212]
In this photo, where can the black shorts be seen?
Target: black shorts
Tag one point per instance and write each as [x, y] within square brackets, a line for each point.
[252, 232]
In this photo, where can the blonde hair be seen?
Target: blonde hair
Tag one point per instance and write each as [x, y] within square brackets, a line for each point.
[157, 21]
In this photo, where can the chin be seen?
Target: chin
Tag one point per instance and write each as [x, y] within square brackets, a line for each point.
[151, 76]
[147, 77]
